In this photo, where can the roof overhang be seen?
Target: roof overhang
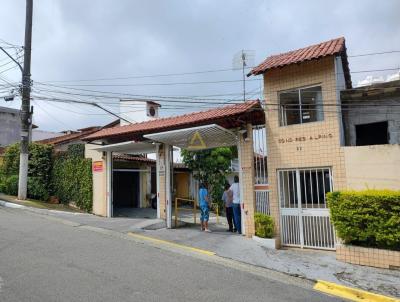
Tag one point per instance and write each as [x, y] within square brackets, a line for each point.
[196, 138]
[129, 147]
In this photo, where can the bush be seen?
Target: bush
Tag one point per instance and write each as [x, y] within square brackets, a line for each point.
[264, 225]
[368, 218]
[37, 189]
[39, 170]
[11, 185]
[71, 178]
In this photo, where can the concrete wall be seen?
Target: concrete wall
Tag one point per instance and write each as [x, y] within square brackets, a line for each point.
[99, 181]
[314, 144]
[369, 113]
[10, 126]
[373, 167]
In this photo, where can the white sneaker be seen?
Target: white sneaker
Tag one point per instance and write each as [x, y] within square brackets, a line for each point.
[207, 230]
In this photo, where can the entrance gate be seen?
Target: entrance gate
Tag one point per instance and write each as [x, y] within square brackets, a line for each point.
[305, 220]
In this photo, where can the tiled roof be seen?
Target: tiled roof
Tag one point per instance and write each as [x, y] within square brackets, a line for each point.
[328, 48]
[178, 122]
[63, 139]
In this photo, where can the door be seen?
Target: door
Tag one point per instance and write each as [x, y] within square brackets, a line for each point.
[126, 189]
[305, 220]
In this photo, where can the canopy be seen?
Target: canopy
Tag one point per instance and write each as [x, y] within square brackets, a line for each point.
[196, 138]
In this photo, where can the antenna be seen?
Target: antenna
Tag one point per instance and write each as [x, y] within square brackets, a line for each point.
[242, 60]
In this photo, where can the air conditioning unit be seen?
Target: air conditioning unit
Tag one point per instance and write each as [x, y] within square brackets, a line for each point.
[152, 109]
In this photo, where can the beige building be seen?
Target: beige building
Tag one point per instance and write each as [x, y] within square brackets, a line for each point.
[307, 156]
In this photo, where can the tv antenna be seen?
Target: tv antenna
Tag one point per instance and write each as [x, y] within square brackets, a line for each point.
[242, 60]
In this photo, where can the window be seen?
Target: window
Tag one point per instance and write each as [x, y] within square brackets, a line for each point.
[300, 106]
[372, 134]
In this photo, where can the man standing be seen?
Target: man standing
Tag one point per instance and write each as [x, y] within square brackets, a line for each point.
[204, 208]
[227, 198]
[237, 216]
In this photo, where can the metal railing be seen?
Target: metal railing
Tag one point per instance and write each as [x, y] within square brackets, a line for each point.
[192, 208]
[177, 209]
[262, 202]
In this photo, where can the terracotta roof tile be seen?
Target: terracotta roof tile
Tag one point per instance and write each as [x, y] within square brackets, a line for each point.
[63, 139]
[169, 123]
[328, 48]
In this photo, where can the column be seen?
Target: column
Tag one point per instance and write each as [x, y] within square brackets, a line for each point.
[246, 180]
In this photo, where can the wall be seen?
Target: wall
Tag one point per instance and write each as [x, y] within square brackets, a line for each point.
[315, 144]
[10, 126]
[373, 167]
[370, 113]
[99, 181]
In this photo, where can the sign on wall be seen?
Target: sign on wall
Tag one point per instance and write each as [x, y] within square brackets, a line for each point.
[97, 166]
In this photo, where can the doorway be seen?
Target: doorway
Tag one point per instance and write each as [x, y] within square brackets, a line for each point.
[126, 189]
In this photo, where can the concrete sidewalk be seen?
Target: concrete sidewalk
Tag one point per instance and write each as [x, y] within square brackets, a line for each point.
[309, 264]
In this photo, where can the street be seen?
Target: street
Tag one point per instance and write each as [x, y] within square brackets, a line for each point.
[45, 260]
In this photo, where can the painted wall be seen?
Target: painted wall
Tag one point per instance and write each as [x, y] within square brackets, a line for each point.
[99, 181]
[373, 167]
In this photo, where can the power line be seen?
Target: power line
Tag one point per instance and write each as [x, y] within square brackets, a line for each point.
[374, 53]
[193, 72]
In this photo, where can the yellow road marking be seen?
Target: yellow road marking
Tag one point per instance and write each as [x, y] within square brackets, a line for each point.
[173, 244]
[350, 293]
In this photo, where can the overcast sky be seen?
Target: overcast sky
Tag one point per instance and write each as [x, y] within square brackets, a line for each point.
[80, 40]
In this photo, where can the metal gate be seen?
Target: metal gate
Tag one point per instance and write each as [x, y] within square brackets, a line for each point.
[305, 220]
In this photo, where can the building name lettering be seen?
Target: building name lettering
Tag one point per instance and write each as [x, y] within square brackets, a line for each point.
[305, 138]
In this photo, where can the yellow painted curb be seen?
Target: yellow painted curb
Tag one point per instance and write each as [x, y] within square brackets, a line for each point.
[350, 293]
[173, 244]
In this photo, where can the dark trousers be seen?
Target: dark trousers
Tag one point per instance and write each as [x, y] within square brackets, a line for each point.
[237, 217]
[229, 217]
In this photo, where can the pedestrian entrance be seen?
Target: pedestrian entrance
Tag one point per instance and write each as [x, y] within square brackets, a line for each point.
[305, 220]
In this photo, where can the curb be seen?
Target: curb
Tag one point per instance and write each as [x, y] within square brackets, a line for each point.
[350, 293]
[173, 244]
[11, 205]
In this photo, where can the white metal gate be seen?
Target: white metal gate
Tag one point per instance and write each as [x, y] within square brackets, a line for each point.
[305, 220]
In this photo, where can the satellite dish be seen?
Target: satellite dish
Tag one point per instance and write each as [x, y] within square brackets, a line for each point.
[242, 60]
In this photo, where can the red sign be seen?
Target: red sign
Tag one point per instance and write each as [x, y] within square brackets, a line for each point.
[97, 166]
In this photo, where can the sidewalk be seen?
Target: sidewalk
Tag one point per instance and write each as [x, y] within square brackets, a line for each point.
[309, 264]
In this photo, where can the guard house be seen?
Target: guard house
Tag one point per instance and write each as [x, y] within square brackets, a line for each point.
[304, 138]
[323, 135]
[230, 125]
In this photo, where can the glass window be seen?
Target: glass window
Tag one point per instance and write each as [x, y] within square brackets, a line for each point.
[300, 106]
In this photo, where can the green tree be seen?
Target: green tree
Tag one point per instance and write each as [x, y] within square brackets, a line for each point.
[211, 167]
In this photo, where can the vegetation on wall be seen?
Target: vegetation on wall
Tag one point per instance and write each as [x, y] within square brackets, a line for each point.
[367, 218]
[72, 177]
[264, 225]
[39, 171]
[211, 168]
[66, 175]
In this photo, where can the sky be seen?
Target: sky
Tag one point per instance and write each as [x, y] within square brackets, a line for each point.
[82, 46]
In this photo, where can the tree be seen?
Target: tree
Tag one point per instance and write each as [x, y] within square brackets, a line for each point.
[211, 167]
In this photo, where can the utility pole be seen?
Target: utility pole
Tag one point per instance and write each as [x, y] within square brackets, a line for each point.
[26, 117]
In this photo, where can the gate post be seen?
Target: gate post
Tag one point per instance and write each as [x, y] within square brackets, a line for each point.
[246, 171]
[161, 196]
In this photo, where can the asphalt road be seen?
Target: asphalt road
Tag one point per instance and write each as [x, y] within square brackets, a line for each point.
[45, 260]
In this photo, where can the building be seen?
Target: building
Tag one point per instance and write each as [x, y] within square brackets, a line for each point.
[10, 130]
[230, 125]
[307, 130]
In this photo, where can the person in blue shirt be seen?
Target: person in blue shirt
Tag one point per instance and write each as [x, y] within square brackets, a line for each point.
[204, 208]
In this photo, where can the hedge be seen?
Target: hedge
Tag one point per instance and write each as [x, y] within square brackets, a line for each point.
[264, 225]
[72, 177]
[67, 175]
[39, 171]
[368, 218]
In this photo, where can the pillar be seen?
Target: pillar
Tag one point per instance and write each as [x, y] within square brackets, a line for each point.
[246, 180]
